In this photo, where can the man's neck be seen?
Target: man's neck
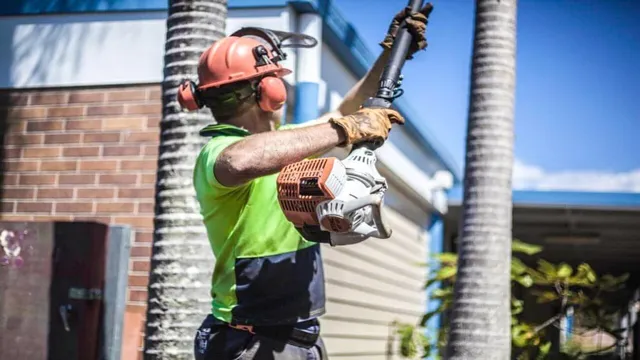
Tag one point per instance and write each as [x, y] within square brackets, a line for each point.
[254, 126]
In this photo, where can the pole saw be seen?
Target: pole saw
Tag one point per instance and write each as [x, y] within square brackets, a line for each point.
[340, 202]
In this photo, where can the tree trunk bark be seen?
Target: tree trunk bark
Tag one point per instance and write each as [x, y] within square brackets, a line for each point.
[182, 261]
[481, 314]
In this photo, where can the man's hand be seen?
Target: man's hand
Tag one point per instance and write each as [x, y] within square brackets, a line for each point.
[368, 125]
[416, 25]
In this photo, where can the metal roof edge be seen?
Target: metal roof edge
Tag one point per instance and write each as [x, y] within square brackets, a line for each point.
[554, 198]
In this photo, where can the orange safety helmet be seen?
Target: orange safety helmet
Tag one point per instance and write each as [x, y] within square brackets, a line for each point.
[239, 58]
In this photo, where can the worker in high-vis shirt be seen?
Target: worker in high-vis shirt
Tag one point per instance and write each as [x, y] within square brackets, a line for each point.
[268, 286]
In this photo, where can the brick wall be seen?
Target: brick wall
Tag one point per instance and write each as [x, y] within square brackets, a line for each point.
[78, 154]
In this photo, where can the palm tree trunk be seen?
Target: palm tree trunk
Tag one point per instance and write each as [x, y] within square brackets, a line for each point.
[182, 261]
[481, 314]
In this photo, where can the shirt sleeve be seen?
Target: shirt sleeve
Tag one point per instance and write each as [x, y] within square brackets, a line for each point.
[208, 156]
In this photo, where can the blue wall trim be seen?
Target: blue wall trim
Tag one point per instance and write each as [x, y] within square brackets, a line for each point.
[436, 243]
[306, 104]
[563, 198]
[337, 32]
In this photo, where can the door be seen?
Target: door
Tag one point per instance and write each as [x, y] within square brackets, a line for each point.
[78, 262]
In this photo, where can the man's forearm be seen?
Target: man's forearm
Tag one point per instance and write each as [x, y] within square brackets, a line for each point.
[267, 153]
[364, 88]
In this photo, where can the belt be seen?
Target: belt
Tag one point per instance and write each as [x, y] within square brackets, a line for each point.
[289, 334]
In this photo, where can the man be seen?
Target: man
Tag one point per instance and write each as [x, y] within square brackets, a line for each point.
[268, 281]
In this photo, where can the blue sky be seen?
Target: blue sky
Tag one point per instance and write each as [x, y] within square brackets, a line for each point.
[578, 85]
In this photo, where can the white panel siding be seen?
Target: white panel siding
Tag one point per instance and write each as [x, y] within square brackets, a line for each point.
[100, 48]
[370, 285]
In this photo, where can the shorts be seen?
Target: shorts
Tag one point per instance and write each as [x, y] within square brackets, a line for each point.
[216, 342]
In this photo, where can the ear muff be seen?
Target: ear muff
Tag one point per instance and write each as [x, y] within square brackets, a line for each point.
[188, 96]
[271, 94]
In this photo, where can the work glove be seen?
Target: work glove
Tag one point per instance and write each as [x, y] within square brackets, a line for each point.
[416, 25]
[368, 124]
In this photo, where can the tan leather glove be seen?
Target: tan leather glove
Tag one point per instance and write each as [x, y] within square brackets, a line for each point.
[368, 125]
[417, 26]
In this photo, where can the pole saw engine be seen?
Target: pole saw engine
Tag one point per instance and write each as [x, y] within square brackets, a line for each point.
[340, 202]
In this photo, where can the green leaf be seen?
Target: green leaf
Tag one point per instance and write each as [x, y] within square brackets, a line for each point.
[522, 247]
[449, 258]
[564, 271]
[446, 273]
[518, 267]
[516, 306]
[547, 269]
[524, 280]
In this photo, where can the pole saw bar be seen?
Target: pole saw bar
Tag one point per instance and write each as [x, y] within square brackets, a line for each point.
[390, 77]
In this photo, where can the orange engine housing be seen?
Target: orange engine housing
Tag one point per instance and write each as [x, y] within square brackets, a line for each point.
[305, 184]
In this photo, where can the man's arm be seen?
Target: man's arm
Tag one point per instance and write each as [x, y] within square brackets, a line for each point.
[267, 153]
[366, 87]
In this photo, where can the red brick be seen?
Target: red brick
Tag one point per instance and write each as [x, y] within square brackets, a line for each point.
[94, 218]
[146, 208]
[83, 124]
[141, 265]
[144, 109]
[16, 127]
[124, 123]
[138, 221]
[21, 165]
[14, 99]
[136, 193]
[67, 111]
[142, 137]
[81, 151]
[127, 95]
[115, 207]
[144, 237]
[140, 251]
[24, 139]
[67, 165]
[118, 179]
[137, 295]
[153, 122]
[27, 113]
[47, 125]
[105, 110]
[96, 193]
[102, 138]
[62, 139]
[98, 165]
[148, 179]
[121, 150]
[35, 207]
[11, 217]
[49, 99]
[86, 97]
[18, 193]
[138, 164]
[151, 150]
[8, 206]
[77, 179]
[138, 280]
[10, 179]
[41, 152]
[12, 153]
[74, 207]
[55, 194]
[154, 94]
[48, 218]
[37, 179]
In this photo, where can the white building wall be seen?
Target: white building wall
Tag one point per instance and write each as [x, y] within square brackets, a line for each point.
[101, 48]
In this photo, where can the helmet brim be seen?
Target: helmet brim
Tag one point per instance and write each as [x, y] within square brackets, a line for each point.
[277, 72]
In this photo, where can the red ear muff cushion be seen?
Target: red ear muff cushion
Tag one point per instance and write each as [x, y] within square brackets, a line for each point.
[272, 94]
[187, 96]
